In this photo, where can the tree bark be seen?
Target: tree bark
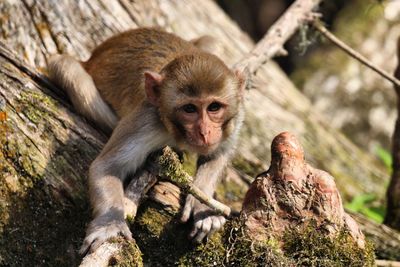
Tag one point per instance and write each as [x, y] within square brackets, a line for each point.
[392, 218]
[46, 148]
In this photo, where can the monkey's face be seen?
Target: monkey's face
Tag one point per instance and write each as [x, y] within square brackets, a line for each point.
[198, 98]
[199, 121]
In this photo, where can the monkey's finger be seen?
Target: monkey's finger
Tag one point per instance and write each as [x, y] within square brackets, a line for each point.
[196, 228]
[96, 244]
[126, 232]
[186, 214]
[87, 244]
[84, 249]
[204, 227]
[187, 210]
[200, 236]
[218, 223]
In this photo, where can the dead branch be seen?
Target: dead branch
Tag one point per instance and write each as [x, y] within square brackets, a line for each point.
[354, 54]
[271, 44]
[101, 256]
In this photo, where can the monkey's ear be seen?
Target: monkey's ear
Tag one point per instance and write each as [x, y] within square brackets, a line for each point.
[208, 44]
[151, 82]
[241, 75]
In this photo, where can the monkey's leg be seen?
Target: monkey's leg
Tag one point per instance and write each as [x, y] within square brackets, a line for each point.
[73, 78]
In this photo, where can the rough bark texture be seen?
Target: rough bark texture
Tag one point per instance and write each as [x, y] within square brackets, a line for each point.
[292, 193]
[393, 193]
[46, 148]
[76, 27]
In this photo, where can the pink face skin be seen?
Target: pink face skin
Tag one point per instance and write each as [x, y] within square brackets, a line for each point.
[201, 118]
[202, 121]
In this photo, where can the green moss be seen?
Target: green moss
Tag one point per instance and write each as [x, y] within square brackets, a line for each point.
[154, 220]
[310, 247]
[129, 255]
[235, 248]
[38, 230]
[171, 167]
[35, 105]
[159, 234]
[211, 253]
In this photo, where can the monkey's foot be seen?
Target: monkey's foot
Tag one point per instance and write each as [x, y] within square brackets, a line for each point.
[97, 234]
[205, 220]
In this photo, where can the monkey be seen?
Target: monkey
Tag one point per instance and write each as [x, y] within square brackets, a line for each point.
[149, 89]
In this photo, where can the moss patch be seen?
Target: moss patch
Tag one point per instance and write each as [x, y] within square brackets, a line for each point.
[158, 236]
[309, 247]
[129, 255]
[163, 241]
[39, 231]
[232, 247]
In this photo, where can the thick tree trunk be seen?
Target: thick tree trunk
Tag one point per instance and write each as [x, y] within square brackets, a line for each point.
[393, 193]
[46, 148]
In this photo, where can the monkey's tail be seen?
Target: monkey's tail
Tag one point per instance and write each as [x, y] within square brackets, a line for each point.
[69, 74]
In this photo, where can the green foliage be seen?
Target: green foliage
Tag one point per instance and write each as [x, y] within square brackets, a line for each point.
[366, 204]
[386, 157]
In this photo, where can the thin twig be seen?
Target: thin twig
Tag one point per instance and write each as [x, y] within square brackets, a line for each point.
[351, 52]
[172, 169]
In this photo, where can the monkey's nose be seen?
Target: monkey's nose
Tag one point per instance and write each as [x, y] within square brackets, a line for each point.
[205, 137]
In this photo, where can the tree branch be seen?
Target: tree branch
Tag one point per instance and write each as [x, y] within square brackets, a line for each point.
[101, 256]
[354, 54]
[271, 44]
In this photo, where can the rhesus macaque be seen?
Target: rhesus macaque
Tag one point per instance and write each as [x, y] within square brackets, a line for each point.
[153, 89]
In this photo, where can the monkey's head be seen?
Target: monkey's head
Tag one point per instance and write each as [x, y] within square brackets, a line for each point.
[198, 98]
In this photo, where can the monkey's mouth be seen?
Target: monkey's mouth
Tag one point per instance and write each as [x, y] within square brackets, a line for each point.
[203, 148]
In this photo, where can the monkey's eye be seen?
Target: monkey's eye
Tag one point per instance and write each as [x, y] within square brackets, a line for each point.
[189, 108]
[214, 106]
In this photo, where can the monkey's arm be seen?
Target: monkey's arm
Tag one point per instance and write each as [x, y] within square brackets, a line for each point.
[205, 220]
[132, 140]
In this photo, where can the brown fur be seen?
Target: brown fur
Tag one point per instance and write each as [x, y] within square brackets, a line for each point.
[117, 66]
[147, 77]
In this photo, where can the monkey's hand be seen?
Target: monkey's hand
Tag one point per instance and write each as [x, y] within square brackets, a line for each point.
[101, 229]
[205, 220]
